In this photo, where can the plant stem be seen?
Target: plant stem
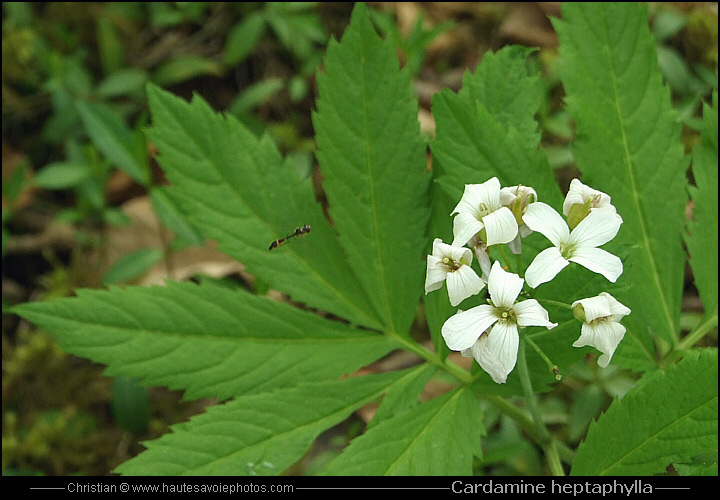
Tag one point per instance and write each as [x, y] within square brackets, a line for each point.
[545, 439]
[539, 434]
[699, 331]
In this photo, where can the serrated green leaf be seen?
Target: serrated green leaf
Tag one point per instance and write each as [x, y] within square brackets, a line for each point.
[240, 192]
[702, 238]
[208, 340]
[373, 162]
[438, 438]
[670, 417]
[628, 145]
[113, 139]
[262, 434]
[488, 129]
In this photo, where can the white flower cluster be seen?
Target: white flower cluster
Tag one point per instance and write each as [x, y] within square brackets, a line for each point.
[489, 215]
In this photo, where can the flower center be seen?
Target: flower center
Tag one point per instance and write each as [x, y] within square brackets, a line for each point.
[451, 264]
[567, 250]
[506, 315]
[482, 211]
[601, 320]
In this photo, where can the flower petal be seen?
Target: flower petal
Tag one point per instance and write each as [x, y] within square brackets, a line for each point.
[475, 195]
[464, 328]
[604, 336]
[544, 219]
[496, 352]
[462, 284]
[599, 227]
[531, 313]
[500, 226]
[504, 287]
[465, 226]
[580, 193]
[484, 260]
[599, 261]
[594, 307]
[435, 274]
[617, 309]
[546, 265]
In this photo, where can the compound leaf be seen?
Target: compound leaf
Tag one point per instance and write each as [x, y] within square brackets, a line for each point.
[209, 340]
[628, 145]
[372, 157]
[261, 434]
[438, 438]
[240, 192]
[670, 417]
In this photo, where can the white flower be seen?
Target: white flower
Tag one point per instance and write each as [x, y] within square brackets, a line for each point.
[579, 246]
[452, 263]
[601, 328]
[479, 209]
[581, 200]
[582, 194]
[517, 199]
[490, 331]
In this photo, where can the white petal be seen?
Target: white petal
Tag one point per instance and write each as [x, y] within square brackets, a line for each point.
[463, 329]
[496, 352]
[465, 226]
[546, 265]
[531, 313]
[500, 226]
[576, 194]
[463, 283]
[594, 307]
[435, 274]
[437, 247]
[599, 227]
[475, 195]
[516, 244]
[599, 261]
[504, 287]
[604, 336]
[508, 195]
[617, 309]
[457, 254]
[544, 219]
[484, 261]
[580, 193]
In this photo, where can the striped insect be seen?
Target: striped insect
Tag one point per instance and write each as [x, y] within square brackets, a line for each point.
[299, 231]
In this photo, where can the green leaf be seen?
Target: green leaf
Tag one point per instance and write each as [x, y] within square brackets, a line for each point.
[208, 340]
[240, 192]
[132, 265]
[130, 405]
[254, 95]
[670, 417]
[183, 68]
[404, 394]
[488, 129]
[262, 434]
[243, 38]
[170, 212]
[628, 145]
[702, 238]
[373, 162]
[438, 438]
[112, 137]
[62, 175]
[129, 81]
